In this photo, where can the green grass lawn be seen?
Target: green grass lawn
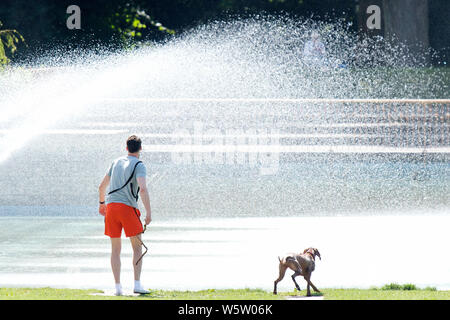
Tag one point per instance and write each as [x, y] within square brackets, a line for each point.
[384, 293]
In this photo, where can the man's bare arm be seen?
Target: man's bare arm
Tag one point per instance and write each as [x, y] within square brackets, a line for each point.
[143, 192]
[101, 194]
[102, 188]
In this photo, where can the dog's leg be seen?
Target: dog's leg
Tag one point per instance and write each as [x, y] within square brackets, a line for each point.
[309, 283]
[313, 286]
[297, 273]
[280, 277]
[295, 266]
[308, 292]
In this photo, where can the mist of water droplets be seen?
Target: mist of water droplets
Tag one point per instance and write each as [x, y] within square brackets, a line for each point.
[259, 57]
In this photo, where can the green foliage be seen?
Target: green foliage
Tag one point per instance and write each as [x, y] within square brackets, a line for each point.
[395, 286]
[430, 289]
[133, 24]
[405, 287]
[9, 39]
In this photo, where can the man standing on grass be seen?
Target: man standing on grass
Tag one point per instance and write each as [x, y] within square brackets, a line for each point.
[126, 177]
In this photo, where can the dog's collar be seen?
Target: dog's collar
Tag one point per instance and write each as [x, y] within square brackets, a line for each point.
[313, 256]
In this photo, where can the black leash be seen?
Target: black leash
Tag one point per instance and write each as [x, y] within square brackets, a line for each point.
[142, 243]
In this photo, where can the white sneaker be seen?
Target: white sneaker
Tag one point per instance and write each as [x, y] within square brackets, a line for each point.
[140, 290]
[119, 291]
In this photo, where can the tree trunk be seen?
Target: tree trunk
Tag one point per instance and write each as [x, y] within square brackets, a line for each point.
[407, 22]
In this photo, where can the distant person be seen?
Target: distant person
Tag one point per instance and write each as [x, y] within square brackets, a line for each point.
[126, 177]
[314, 52]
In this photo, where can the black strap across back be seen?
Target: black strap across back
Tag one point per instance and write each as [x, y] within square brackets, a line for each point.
[131, 185]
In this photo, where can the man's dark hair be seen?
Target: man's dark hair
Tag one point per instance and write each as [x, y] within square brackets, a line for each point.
[134, 144]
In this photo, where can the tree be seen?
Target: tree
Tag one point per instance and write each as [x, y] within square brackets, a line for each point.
[407, 22]
[9, 38]
[131, 23]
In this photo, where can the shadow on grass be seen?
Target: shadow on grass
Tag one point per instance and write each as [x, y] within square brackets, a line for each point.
[302, 295]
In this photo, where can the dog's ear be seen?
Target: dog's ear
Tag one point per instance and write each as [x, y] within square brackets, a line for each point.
[306, 250]
[317, 253]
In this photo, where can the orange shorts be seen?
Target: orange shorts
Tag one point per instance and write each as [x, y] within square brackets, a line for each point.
[118, 216]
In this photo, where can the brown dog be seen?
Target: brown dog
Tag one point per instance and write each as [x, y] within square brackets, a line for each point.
[302, 264]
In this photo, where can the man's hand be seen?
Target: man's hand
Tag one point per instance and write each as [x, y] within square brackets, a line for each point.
[148, 219]
[102, 209]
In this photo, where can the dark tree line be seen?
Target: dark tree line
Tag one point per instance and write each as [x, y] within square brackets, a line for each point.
[119, 23]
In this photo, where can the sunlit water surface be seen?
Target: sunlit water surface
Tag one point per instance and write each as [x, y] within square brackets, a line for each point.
[189, 254]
